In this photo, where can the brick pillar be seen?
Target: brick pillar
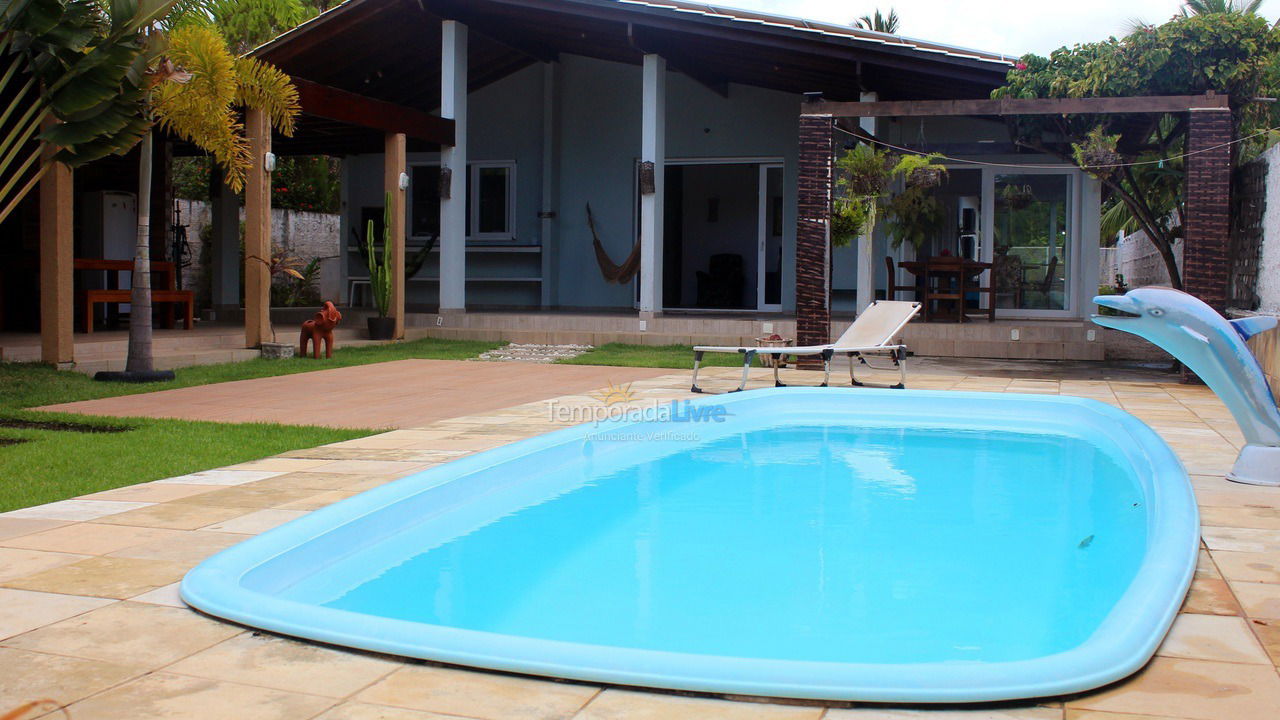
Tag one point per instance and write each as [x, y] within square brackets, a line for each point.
[813, 313]
[1206, 268]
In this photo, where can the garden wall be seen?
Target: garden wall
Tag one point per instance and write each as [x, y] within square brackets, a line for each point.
[1267, 345]
[302, 235]
[1137, 259]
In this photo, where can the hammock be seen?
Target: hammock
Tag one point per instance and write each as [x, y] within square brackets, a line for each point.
[612, 272]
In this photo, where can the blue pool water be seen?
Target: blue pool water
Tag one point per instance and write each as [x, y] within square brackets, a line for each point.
[815, 544]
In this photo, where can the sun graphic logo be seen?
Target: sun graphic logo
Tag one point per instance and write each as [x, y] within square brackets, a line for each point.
[616, 394]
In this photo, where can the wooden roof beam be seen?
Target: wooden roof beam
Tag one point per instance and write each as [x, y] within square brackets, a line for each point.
[1017, 106]
[347, 107]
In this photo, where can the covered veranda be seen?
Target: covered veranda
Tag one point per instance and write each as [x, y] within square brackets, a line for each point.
[1210, 136]
[402, 86]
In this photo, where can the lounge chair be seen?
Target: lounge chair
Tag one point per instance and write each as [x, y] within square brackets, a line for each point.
[872, 333]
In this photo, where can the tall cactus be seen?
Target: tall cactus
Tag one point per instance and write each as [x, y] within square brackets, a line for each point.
[380, 267]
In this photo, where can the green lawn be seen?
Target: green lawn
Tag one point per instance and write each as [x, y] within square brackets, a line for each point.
[49, 464]
[655, 356]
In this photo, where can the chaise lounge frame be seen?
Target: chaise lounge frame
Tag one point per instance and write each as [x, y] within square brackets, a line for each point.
[883, 319]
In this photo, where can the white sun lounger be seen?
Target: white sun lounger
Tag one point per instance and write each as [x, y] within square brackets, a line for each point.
[872, 333]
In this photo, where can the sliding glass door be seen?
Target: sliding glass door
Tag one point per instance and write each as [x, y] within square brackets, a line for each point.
[1033, 238]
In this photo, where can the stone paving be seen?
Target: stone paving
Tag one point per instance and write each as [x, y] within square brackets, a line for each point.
[534, 353]
[90, 616]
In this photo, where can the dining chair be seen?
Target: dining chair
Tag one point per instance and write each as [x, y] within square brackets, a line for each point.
[949, 273]
[892, 288]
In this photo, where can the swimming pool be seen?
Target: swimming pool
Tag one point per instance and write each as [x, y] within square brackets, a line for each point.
[898, 546]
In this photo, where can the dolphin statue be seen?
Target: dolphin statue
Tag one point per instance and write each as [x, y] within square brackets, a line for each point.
[1213, 348]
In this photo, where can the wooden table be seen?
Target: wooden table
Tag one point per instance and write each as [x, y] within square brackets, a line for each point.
[113, 268]
[165, 292]
[954, 275]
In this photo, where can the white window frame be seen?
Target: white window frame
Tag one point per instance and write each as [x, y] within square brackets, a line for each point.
[508, 234]
[473, 202]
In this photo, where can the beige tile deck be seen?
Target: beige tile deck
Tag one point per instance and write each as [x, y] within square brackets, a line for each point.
[90, 613]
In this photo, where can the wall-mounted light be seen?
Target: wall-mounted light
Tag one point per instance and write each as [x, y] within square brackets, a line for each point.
[446, 183]
[648, 185]
[269, 162]
[404, 181]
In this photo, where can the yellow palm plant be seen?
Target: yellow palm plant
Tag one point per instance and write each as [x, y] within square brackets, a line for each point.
[198, 87]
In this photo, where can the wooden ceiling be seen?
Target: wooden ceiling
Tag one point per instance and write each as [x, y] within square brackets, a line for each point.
[390, 50]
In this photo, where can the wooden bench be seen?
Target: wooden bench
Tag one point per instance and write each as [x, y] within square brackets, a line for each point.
[163, 292]
[89, 298]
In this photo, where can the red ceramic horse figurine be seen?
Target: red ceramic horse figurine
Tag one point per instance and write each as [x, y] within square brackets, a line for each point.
[320, 328]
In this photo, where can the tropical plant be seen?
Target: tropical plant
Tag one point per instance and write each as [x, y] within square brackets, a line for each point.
[380, 263]
[1210, 7]
[879, 23]
[1234, 53]
[198, 86]
[249, 23]
[77, 68]
[863, 177]
[300, 290]
[913, 216]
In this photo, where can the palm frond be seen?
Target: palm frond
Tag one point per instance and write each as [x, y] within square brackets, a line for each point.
[200, 108]
[263, 86]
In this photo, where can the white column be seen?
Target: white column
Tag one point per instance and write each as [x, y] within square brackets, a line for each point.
[653, 148]
[453, 209]
[866, 278]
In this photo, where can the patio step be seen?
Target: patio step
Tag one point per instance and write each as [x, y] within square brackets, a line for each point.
[169, 360]
[1036, 339]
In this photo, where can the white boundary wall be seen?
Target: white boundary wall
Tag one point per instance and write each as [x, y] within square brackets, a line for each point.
[304, 235]
[1137, 259]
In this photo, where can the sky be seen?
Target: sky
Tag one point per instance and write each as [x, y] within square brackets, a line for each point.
[1005, 26]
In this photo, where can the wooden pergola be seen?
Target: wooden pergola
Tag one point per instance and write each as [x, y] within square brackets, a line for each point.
[397, 124]
[352, 121]
[1208, 181]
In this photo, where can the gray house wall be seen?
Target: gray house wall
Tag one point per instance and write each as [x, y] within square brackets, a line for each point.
[598, 111]
[594, 107]
[505, 126]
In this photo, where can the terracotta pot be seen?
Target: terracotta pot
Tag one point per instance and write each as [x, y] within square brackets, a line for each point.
[382, 328]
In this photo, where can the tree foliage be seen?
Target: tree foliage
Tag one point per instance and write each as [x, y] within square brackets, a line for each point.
[79, 62]
[1209, 7]
[249, 23]
[200, 103]
[1232, 53]
[879, 22]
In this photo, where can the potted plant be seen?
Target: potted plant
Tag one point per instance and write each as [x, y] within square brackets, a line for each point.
[380, 327]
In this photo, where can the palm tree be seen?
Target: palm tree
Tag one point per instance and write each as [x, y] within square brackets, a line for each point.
[879, 23]
[80, 63]
[1211, 7]
[196, 89]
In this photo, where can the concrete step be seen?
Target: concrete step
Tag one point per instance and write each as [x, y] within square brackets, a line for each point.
[170, 360]
[1034, 343]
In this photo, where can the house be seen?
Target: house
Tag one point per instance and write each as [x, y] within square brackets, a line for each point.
[566, 100]
[593, 170]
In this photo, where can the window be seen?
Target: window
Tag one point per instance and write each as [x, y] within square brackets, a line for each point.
[492, 201]
[424, 212]
[490, 192]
